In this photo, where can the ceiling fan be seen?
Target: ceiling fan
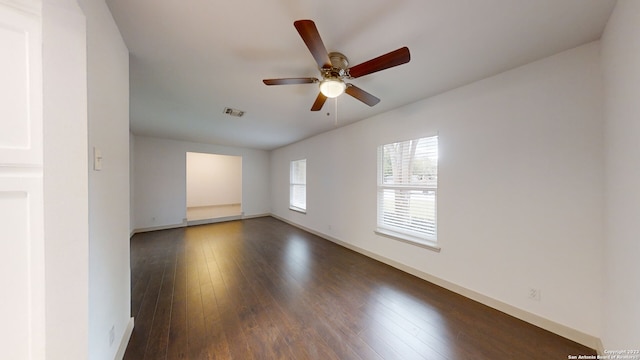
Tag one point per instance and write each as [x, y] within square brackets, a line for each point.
[334, 68]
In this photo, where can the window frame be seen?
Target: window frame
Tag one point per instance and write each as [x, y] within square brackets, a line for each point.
[407, 233]
[296, 183]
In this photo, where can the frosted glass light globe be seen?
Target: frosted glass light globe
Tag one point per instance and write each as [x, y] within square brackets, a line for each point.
[332, 88]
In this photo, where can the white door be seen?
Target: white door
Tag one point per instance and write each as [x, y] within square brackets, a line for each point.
[21, 181]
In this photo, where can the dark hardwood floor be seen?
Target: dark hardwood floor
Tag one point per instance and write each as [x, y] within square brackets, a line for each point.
[261, 289]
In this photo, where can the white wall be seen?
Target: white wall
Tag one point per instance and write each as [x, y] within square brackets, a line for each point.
[621, 64]
[132, 195]
[520, 186]
[108, 109]
[213, 179]
[160, 180]
[65, 180]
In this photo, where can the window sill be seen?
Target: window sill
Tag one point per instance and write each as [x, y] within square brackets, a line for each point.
[427, 244]
[298, 210]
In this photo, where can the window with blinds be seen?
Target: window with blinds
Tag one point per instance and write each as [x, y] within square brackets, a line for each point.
[407, 189]
[298, 185]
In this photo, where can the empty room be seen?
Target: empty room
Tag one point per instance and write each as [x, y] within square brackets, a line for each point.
[320, 180]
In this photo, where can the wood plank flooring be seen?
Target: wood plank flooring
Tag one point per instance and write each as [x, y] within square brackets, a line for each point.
[261, 289]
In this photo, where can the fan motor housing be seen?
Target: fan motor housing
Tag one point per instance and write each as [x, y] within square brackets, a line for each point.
[338, 60]
[339, 66]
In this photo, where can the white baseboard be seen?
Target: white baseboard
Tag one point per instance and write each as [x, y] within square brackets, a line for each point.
[214, 220]
[197, 222]
[255, 216]
[223, 219]
[554, 327]
[125, 340]
[600, 347]
[162, 227]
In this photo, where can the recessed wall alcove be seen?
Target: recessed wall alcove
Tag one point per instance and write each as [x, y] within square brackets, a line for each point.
[214, 187]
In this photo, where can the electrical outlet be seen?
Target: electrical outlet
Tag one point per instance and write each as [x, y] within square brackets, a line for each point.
[534, 294]
[112, 335]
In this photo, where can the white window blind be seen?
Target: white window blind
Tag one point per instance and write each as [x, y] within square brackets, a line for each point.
[298, 185]
[407, 188]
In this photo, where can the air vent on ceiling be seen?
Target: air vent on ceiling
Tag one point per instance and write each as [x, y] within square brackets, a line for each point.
[233, 112]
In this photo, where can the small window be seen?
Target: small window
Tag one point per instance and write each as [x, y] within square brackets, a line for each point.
[407, 190]
[298, 186]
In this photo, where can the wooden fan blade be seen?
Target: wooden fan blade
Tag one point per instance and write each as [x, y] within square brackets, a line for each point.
[309, 34]
[361, 95]
[289, 81]
[320, 100]
[388, 60]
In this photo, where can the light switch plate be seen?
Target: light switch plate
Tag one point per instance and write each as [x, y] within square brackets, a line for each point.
[97, 159]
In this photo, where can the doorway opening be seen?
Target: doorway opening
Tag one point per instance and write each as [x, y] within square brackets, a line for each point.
[214, 188]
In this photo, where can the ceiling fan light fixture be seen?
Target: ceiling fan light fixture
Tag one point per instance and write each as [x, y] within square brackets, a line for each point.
[332, 87]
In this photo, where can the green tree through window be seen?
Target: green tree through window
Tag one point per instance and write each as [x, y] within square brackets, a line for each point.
[407, 187]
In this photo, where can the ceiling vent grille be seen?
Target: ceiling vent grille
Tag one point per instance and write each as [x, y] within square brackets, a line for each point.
[233, 112]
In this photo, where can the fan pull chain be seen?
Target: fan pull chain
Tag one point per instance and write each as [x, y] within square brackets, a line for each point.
[336, 112]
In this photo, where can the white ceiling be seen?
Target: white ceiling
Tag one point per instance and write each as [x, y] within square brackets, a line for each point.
[189, 59]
